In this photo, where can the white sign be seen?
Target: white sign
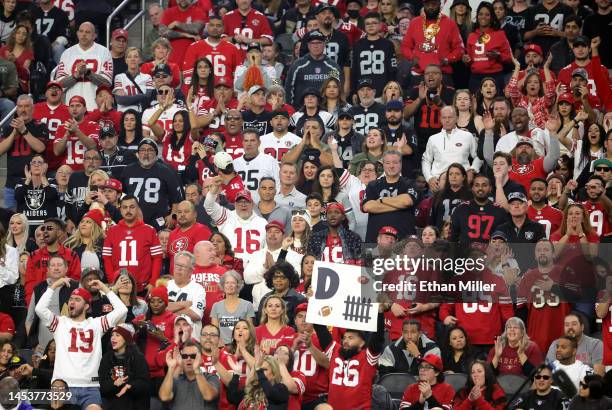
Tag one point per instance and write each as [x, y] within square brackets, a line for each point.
[340, 300]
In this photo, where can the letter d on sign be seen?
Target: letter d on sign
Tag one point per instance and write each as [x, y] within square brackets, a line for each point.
[328, 282]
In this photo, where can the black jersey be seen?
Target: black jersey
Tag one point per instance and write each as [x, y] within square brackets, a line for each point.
[337, 48]
[348, 146]
[37, 204]
[471, 222]
[554, 17]
[427, 116]
[366, 118]
[403, 219]
[20, 153]
[443, 210]
[51, 24]
[374, 59]
[261, 121]
[156, 188]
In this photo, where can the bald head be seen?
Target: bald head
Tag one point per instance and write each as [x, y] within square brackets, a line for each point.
[86, 34]
[205, 253]
[186, 214]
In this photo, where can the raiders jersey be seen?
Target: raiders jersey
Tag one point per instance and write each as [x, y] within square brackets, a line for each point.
[366, 118]
[374, 60]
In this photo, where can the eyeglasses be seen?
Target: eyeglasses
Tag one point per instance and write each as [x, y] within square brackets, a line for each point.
[369, 169]
[209, 334]
[426, 367]
[298, 212]
[47, 228]
[163, 92]
[542, 377]
[603, 169]
[93, 159]
[233, 118]
[36, 162]
[188, 356]
[279, 276]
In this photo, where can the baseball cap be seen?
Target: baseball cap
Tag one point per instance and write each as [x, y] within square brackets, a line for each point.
[185, 318]
[77, 99]
[311, 91]
[466, 3]
[433, 360]
[315, 35]
[522, 141]
[388, 230]
[222, 82]
[161, 68]
[245, 194]
[395, 105]
[406, 6]
[149, 141]
[119, 32]
[54, 84]
[82, 293]
[114, 184]
[581, 72]
[567, 97]
[517, 196]
[255, 89]
[104, 87]
[107, 128]
[253, 46]
[345, 113]
[535, 48]
[16, 361]
[302, 307]
[415, 239]
[581, 41]
[364, 82]
[326, 6]
[499, 235]
[282, 113]
[602, 161]
[223, 160]
[91, 271]
[276, 224]
[336, 205]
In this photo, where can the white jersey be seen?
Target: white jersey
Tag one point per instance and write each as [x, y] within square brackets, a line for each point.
[278, 147]
[355, 190]
[246, 235]
[122, 82]
[99, 61]
[78, 345]
[165, 119]
[193, 292]
[251, 172]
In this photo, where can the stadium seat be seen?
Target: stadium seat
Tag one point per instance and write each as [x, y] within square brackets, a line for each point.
[457, 380]
[511, 384]
[396, 383]
[396, 404]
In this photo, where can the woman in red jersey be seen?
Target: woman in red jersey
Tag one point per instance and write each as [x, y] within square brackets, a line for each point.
[481, 391]
[273, 327]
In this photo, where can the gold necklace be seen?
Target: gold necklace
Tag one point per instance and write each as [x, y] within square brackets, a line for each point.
[432, 30]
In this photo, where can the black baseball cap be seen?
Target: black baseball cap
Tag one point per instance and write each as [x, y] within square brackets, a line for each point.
[364, 82]
[315, 35]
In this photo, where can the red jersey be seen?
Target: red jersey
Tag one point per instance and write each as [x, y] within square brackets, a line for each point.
[484, 318]
[509, 362]
[295, 400]
[545, 310]
[606, 334]
[350, 381]
[442, 392]
[479, 43]
[352, 31]
[176, 154]
[598, 217]
[209, 277]
[254, 26]
[446, 44]
[205, 5]
[113, 115]
[147, 68]
[225, 57]
[548, 216]
[218, 122]
[598, 82]
[192, 14]
[207, 365]
[223, 403]
[523, 174]
[135, 248]
[75, 150]
[165, 323]
[231, 189]
[316, 379]
[36, 269]
[339, 4]
[185, 240]
[268, 342]
[53, 118]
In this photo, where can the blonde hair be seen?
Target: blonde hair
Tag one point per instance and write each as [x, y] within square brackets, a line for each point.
[100, 173]
[136, 49]
[254, 394]
[10, 238]
[518, 322]
[284, 319]
[76, 239]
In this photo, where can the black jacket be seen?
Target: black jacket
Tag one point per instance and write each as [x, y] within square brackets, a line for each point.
[351, 244]
[135, 367]
[530, 400]
[396, 359]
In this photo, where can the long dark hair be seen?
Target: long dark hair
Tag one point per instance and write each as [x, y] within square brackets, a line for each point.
[228, 245]
[137, 131]
[495, 24]
[446, 348]
[3, 239]
[465, 188]
[335, 188]
[480, 110]
[133, 297]
[490, 380]
[585, 152]
[195, 78]
[175, 142]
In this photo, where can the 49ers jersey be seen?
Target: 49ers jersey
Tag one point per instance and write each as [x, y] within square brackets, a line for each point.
[75, 150]
[123, 83]
[316, 376]
[175, 155]
[52, 118]
[598, 216]
[278, 147]
[254, 26]
[165, 119]
[548, 216]
[224, 57]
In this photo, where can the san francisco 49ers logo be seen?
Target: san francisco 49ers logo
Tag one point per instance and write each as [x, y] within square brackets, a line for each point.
[179, 245]
[523, 169]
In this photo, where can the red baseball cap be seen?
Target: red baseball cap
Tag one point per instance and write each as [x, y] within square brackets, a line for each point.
[82, 293]
[223, 81]
[104, 87]
[119, 32]
[388, 230]
[567, 97]
[96, 215]
[114, 184]
[244, 194]
[535, 48]
[302, 307]
[54, 84]
[433, 360]
[79, 99]
[275, 224]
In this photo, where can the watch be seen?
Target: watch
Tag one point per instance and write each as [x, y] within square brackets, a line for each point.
[23, 133]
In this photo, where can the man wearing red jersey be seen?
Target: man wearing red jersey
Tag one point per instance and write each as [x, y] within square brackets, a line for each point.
[212, 112]
[105, 111]
[540, 211]
[207, 272]
[246, 25]
[52, 112]
[182, 25]
[133, 245]
[432, 39]
[231, 182]
[187, 233]
[430, 388]
[604, 312]
[75, 135]
[209, 340]
[598, 205]
[542, 298]
[526, 165]
[352, 364]
[309, 359]
[224, 56]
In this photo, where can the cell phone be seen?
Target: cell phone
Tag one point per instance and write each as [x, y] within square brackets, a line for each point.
[93, 188]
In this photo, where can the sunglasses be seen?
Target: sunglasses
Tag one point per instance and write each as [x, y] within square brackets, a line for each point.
[188, 356]
[163, 92]
[298, 212]
[542, 377]
[604, 169]
[233, 118]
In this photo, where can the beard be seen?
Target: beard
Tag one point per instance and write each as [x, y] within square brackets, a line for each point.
[393, 121]
[348, 353]
[76, 312]
[432, 14]
[524, 159]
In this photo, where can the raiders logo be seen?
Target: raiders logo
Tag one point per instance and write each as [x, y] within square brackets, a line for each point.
[529, 235]
[35, 198]
[523, 169]
[179, 245]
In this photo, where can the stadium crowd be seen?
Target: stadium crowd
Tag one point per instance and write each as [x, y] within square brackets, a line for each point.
[165, 206]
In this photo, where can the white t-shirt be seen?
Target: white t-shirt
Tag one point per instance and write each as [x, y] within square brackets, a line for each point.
[193, 292]
[251, 172]
[576, 371]
[122, 82]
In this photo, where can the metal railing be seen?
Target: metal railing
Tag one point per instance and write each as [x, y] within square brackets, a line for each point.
[140, 15]
[8, 117]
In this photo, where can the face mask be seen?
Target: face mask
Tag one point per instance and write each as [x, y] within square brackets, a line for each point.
[353, 13]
